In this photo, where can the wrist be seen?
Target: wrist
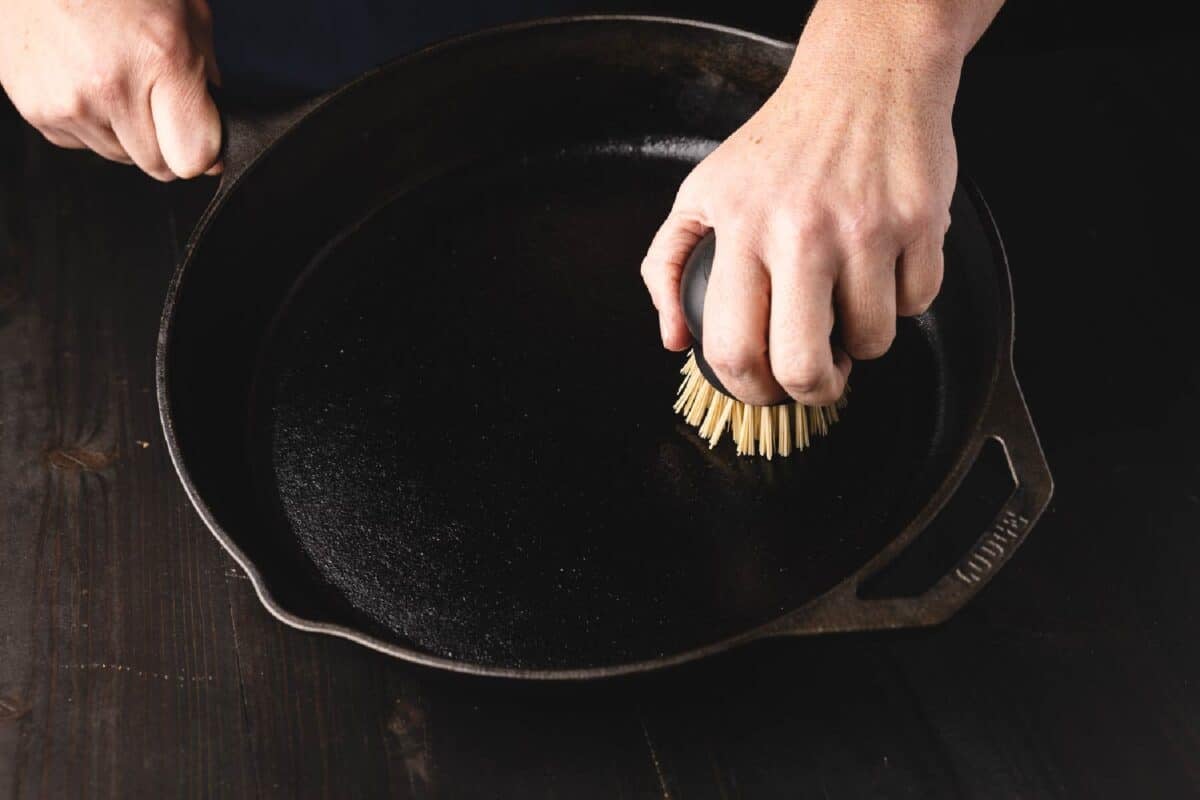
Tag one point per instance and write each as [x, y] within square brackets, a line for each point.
[944, 30]
[903, 43]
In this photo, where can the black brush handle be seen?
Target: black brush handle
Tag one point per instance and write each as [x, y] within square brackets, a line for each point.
[693, 286]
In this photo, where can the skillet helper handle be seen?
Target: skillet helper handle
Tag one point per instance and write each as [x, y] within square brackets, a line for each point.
[841, 609]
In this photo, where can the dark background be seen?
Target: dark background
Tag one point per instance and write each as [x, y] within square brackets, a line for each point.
[284, 48]
[135, 659]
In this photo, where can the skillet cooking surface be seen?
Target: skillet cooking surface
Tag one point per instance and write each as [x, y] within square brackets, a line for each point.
[464, 415]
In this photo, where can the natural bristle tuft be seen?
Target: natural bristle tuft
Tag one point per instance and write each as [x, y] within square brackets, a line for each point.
[761, 430]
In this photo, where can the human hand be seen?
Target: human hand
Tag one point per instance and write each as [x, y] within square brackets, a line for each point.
[834, 195]
[125, 78]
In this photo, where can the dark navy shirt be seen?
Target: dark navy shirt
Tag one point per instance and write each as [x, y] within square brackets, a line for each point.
[289, 47]
[304, 46]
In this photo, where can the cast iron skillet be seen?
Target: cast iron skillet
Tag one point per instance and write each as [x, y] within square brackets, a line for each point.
[410, 378]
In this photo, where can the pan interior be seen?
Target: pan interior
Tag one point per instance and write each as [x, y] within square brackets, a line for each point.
[462, 415]
[414, 380]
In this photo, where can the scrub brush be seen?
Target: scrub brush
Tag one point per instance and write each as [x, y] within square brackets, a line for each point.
[704, 403]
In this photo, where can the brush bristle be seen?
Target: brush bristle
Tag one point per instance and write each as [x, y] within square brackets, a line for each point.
[761, 430]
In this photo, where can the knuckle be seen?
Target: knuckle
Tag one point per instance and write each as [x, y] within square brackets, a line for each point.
[920, 211]
[727, 209]
[742, 228]
[52, 136]
[917, 299]
[732, 360]
[692, 186]
[939, 221]
[821, 396]
[68, 107]
[801, 377]
[799, 223]
[37, 116]
[73, 106]
[863, 230]
[30, 110]
[651, 273]
[164, 38]
[915, 307]
[105, 85]
[870, 344]
[647, 270]
[915, 302]
[687, 185]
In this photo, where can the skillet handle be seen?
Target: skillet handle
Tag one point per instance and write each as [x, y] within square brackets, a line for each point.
[249, 127]
[842, 609]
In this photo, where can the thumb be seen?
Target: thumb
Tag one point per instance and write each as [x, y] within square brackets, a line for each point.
[186, 123]
[661, 271]
[200, 27]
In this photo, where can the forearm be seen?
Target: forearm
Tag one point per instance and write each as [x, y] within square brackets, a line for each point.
[938, 28]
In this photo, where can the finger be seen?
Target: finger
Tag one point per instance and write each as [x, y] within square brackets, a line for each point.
[185, 122]
[866, 303]
[802, 317]
[919, 274]
[211, 71]
[661, 271]
[201, 33]
[134, 129]
[841, 360]
[61, 138]
[204, 42]
[736, 310]
[100, 139]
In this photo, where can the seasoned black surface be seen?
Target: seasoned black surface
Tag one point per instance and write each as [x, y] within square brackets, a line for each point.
[136, 661]
[463, 425]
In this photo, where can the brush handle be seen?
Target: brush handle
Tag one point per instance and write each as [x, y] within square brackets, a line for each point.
[693, 286]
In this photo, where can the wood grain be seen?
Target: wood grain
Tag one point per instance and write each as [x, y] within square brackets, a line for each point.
[117, 620]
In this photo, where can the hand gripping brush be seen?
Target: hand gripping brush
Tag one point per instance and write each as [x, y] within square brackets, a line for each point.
[782, 428]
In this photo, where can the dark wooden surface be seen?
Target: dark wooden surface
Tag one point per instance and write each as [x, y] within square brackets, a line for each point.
[135, 660]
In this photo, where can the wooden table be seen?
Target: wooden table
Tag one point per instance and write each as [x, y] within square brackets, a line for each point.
[135, 660]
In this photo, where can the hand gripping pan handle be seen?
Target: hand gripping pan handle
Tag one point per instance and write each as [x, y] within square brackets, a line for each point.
[248, 129]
